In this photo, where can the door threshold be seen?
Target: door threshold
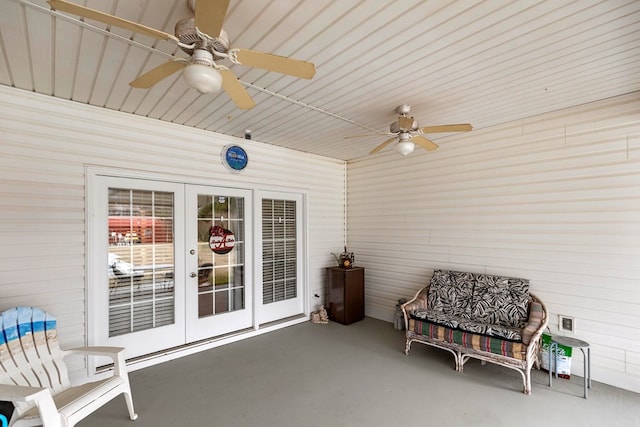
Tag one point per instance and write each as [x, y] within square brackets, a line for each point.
[286, 319]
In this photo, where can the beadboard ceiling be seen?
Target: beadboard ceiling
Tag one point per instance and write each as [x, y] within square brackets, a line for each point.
[479, 62]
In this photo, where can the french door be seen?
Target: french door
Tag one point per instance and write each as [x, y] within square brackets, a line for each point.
[218, 284]
[169, 263]
[280, 255]
[136, 289]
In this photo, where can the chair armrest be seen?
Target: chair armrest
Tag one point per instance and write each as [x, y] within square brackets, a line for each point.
[115, 353]
[418, 302]
[41, 397]
[19, 393]
[98, 351]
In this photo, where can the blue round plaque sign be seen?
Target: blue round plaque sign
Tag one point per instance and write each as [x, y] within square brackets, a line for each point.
[235, 157]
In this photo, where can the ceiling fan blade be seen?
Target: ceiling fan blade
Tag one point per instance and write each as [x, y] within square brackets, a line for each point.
[384, 144]
[405, 123]
[157, 74]
[85, 12]
[270, 62]
[424, 143]
[210, 16]
[236, 91]
[465, 127]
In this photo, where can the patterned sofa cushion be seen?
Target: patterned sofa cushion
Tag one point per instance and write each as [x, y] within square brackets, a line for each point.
[500, 300]
[437, 317]
[510, 333]
[451, 293]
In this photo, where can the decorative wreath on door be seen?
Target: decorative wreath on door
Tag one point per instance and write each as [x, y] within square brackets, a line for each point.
[221, 240]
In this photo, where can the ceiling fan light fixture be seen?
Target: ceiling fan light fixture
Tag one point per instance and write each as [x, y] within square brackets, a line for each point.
[203, 78]
[405, 147]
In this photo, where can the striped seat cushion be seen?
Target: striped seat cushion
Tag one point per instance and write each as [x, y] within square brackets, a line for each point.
[469, 325]
[512, 349]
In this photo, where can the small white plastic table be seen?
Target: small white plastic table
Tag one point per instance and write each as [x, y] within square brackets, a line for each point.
[573, 343]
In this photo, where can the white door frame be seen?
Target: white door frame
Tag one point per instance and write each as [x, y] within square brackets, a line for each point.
[96, 267]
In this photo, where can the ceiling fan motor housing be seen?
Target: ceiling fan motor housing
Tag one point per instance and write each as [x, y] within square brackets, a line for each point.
[403, 110]
[185, 31]
[395, 127]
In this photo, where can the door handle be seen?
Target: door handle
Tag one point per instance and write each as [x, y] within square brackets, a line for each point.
[193, 274]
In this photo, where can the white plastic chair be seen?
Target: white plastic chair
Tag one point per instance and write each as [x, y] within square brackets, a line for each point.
[33, 374]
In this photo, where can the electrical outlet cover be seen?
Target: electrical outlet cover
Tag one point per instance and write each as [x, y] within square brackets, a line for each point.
[566, 323]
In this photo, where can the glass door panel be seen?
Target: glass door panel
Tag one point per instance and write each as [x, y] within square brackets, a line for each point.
[141, 260]
[279, 255]
[220, 254]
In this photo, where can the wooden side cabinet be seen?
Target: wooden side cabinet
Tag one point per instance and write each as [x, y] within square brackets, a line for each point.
[345, 294]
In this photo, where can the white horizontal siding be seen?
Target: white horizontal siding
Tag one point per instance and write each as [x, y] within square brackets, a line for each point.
[554, 198]
[45, 146]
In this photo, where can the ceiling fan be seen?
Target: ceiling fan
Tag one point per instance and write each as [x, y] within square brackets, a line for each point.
[406, 131]
[204, 40]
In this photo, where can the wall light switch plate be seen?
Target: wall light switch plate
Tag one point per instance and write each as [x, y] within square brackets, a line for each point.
[566, 323]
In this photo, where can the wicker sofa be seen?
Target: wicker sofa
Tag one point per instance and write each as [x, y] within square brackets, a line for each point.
[492, 318]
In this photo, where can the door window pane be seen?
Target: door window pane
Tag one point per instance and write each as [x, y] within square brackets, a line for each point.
[279, 263]
[221, 247]
[141, 260]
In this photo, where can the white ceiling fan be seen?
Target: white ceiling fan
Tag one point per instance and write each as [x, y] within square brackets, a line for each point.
[406, 131]
[204, 40]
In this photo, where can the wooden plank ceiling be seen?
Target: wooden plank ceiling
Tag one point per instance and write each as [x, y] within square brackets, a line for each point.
[466, 61]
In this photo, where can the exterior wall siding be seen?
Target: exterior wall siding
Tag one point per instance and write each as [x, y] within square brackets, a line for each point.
[554, 198]
[46, 145]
